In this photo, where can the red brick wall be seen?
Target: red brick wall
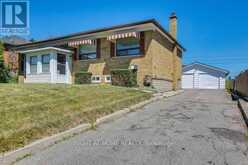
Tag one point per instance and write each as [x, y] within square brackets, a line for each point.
[11, 59]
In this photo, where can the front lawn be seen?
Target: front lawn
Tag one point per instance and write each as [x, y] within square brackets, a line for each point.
[30, 112]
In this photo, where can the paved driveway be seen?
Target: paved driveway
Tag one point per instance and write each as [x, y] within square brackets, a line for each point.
[198, 127]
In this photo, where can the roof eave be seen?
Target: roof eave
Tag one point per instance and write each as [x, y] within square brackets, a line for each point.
[212, 67]
[16, 47]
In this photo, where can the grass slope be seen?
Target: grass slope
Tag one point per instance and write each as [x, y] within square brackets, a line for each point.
[30, 112]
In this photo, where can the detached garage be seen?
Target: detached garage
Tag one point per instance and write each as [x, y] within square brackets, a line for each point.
[202, 76]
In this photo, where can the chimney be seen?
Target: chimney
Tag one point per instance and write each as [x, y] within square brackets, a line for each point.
[173, 25]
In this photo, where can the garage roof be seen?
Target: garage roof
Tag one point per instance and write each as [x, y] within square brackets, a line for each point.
[207, 66]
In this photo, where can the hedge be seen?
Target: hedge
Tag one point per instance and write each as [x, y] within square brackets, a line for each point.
[124, 77]
[83, 78]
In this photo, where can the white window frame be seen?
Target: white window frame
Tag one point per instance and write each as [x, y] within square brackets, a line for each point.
[106, 78]
[45, 63]
[30, 64]
[93, 79]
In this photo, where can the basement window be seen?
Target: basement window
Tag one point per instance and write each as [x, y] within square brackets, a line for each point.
[96, 79]
[108, 79]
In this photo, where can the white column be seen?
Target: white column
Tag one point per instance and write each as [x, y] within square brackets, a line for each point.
[39, 64]
[27, 64]
[68, 69]
[53, 67]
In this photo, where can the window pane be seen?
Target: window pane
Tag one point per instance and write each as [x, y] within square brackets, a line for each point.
[128, 46]
[45, 68]
[33, 64]
[45, 63]
[85, 49]
[87, 52]
[61, 69]
[133, 51]
[46, 59]
[33, 60]
[87, 56]
[61, 59]
[33, 69]
[61, 64]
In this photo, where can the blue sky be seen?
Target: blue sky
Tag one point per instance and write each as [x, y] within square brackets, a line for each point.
[213, 31]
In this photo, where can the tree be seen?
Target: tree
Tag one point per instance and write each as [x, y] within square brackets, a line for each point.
[4, 71]
[1, 51]
[32, 40]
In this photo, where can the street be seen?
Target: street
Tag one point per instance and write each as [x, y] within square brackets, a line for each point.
[197, 127]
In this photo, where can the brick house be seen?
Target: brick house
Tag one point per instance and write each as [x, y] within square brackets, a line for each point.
[145, 45]
[10, 57]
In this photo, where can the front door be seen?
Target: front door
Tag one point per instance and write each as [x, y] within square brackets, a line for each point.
[61, 68]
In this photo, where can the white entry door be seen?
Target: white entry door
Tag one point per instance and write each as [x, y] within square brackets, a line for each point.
[188, 81]
[61, 68]
[207, 81]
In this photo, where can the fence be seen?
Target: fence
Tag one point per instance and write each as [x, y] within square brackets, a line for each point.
[241, 84]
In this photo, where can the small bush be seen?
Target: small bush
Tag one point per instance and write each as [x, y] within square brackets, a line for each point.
[4, 73]
[13, 79]
[148, 81]
[124, 77]
[229, 85]
[83, 78]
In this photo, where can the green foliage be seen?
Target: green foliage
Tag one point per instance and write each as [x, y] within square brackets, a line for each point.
[83, 78]
[124, 77]
[229, 85]
[4, 71]
[1, 52]
[13, 80]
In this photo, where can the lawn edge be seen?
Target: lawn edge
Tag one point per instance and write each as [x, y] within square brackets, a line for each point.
[39, 145]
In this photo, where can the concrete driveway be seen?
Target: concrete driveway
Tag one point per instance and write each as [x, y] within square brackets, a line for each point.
[198, 127]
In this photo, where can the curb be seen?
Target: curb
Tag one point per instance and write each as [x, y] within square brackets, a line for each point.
[243, 112]
[11, 157]
[35, 147]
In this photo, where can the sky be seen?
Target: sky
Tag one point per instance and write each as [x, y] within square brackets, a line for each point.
[214, 32]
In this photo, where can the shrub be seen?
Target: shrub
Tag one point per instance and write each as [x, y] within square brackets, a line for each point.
[83, 78]
[148, 81]
[13, 79]
[4, 71]
[124, 77]
[229, 85]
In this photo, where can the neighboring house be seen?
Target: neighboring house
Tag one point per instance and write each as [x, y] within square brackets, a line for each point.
[11, 57]
[202, 76]
[144, 45]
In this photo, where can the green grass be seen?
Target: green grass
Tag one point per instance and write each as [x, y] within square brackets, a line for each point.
[30, 112]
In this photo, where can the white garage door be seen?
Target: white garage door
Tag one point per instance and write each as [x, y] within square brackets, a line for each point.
[188, 81]
[207, 81]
